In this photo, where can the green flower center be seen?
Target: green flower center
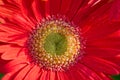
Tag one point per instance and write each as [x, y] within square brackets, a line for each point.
[55, 43]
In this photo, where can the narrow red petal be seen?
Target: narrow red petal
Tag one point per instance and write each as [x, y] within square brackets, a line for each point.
[83, 71]
[101, 65]
[104, 76]
[8, 11]
[43, 75]
[27, 9]
[43, 8]
[105, 53]
[36, 12]
[1, 2]
[21, 74]
[12, 14]
[8, 76]
[115, 10]
[18, 39]
[65, 6]
[91, 10]
[116, 34]
[10, 54]
[62, 76]
[4, 48]
[108, 42]
[74, 7]
[2, 65]
[14, 64]
[76, 75]
[54, 6]
[95, 31]
[52, 75]
[11, 28]
[33, 73]
[11, 75]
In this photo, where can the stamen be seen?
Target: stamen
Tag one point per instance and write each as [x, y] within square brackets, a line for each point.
[55, 44]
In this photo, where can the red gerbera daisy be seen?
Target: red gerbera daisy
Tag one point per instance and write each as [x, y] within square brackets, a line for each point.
[59, 39]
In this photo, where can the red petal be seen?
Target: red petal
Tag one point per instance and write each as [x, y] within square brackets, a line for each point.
[76, 75]
[33, 73]
[26, 7]
[75, 7]
[62, 76]
[36, 12]
[54, 6]
[91, 10]
[106, 48]
[22, 73]
[84, 72]
[4, 48]
[103, 52]
[1, 2]
[41, 7]
[11, 75]
[12, 14]
[115, 34]
[104, 76]
[11, 53]
[52, 75]
[108, 42]
[9, 37]
[65, 6]
[100, 28]
[115, 10]
[14, 64]
[101, 65]
[43, 75]
[8, 76]
[2, 65]
[11, 28]
[8, 10]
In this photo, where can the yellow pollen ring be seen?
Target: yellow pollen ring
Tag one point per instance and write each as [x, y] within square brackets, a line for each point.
[53, 61]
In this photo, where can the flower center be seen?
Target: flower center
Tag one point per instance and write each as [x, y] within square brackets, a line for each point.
[54, 44]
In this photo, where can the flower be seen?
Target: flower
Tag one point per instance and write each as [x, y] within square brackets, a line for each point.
[59, 39]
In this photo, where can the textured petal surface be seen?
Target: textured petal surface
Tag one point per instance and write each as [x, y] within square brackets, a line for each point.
[11, 75]
[22, 73]
[33, 73]
[101, 65]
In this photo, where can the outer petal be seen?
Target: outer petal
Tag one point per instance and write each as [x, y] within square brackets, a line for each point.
[75, 6]
[115, 10]
[54, 6]
[65, 6]
[26, 8]
[62, 76]
[84, 72]
[106, 48]
[14, 64]
[101, 65]
[11, 51]
[101, 28]
[2, 67]
[10, 75]
[91, 10]
[22, 73]
[33, 73]
[44, 75]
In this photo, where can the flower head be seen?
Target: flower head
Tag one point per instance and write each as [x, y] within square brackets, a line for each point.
[59, 39]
